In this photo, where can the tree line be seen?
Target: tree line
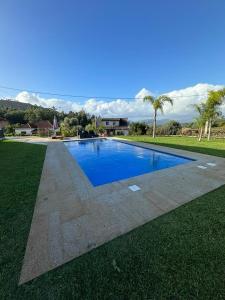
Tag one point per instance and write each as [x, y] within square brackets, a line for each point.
[69, 122]
[141, 128]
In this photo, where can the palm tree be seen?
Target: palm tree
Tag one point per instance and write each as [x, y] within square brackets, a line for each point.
[214, 101]
[157, 104]
[201, 119]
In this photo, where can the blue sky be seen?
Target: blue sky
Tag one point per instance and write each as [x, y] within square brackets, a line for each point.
[111, 48]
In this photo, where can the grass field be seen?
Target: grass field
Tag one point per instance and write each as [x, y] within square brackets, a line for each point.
[180, 255]
[214, 147]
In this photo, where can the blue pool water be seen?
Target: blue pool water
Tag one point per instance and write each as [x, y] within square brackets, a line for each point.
[104, 161]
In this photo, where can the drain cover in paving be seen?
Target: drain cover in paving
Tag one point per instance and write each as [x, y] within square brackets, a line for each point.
[134, 188]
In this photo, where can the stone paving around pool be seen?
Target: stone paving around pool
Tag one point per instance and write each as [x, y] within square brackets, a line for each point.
[71, 217]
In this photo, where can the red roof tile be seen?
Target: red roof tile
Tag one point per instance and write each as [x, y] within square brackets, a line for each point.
[43, 124]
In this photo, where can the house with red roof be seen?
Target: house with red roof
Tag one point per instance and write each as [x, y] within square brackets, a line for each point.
[24, 129]
[43, 127]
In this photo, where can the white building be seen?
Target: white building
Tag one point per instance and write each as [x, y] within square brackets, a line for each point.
[24, 129]
[115, 126]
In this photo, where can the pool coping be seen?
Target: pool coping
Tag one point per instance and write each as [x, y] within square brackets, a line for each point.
[72, 217]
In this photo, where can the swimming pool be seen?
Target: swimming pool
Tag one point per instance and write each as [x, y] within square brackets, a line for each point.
[104, 161]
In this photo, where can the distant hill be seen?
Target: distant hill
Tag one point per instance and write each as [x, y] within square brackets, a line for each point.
[163, 121]
[150, 121]
[12, 104]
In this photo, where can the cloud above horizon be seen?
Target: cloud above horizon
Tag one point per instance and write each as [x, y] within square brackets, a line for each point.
[134, 109]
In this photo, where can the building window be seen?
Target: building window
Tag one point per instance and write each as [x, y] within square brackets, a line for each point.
[114, 123]
[107, 123]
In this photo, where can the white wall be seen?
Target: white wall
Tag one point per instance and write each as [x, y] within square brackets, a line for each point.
[27, 130]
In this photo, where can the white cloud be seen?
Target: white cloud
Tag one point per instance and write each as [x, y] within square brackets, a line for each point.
[47, 102]
[133, 109]
[185, 98]
[142, 93]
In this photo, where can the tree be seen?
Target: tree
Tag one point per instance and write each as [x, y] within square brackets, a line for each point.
[83, 118]
[15, 116]
[35, 114]
[219, 122]
[32, 115]
[9, 129]
[201, 119]
[213, 103]
[70, 126]
[90, 128]
[100, 129]
[73, 121]
[172, 127]
[138, 128]
[157, 104]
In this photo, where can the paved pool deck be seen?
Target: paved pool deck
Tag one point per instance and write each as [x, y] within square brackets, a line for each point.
[71, 217]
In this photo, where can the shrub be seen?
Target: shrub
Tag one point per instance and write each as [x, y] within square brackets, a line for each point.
[9, 130]
[172, 127]
[138, 128]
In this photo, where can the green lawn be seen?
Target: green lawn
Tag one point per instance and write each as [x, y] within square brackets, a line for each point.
[214, 147]
[180, 255]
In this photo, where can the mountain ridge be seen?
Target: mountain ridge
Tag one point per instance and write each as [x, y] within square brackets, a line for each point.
[13, 104]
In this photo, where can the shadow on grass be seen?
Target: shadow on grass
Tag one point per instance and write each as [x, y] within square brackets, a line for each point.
[204, 150]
